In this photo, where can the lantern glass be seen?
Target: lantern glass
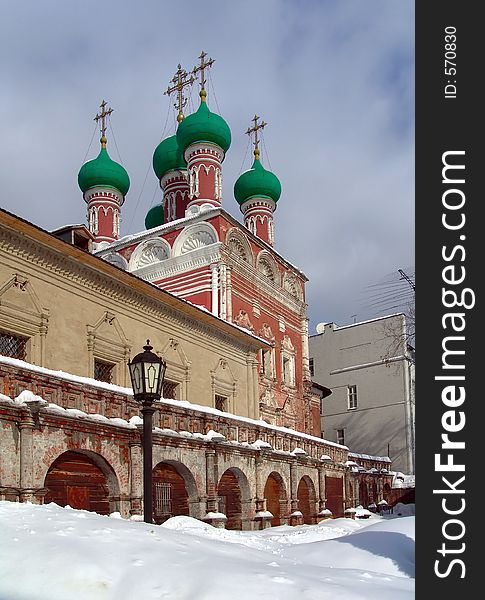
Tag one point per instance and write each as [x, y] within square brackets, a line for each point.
[136, 377]
[152, 372]
[147, 371]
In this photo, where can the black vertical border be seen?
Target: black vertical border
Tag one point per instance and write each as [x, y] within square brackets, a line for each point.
[448, 124]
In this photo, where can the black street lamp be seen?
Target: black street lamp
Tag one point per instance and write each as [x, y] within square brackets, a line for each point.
[147, 371]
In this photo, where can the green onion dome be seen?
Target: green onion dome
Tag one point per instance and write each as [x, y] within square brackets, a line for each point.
[168, 157]
[154, 217]
[257, 182]
[204, 126]
[102, 171]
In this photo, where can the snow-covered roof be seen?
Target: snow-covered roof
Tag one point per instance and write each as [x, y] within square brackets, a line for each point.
[369, 457]
[337, 328]
[182, 222]
[177, 403]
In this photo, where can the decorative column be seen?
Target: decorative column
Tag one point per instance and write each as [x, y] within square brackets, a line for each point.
[223, 280]
[255, 389]
[136, 476]
[26, 427]
[250, 398]
[175, 188]
[296, 517]
[324, 512]
[104, 213]
[204, 165]
[258, 218]
[229, 294]
[305, 349]
[215, 290]
[344, 490]
[263, 517]
[213, 516]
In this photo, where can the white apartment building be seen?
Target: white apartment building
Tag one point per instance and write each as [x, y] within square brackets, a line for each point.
[369, 366]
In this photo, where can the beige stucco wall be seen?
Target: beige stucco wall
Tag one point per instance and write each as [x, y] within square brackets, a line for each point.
[72, 313]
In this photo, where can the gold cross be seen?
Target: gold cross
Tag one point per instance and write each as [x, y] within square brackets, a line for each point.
[257, 126]
[201, 68]
[180, 81]
[104, 113]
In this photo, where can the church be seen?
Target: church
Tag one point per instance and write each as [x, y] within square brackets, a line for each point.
[237, 439]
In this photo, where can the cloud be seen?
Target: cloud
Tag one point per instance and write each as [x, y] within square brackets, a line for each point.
[334, 80]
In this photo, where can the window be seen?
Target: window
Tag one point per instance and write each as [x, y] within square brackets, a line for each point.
[103, 371]
[288, 370]
[312, 367]
[163, 499]
[340, 437]
[267, 363]
[352, 396]
[170, 390]
[288, 361]
[221, 403]
[13, 345]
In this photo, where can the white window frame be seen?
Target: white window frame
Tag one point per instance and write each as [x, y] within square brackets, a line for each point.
[268, 363]
[352, 397]
[341, 437]
[288, 369]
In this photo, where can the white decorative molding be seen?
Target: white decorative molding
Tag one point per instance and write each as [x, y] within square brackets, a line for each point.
[93, 219]
[21, 313]
[117, 260]
[271, 231]
[116, 223]
[194, 181]
[242, 319]
[257, 205]
[266, 265]
[266, 285]
[286, 344]
[106, 340]
[266, 332]
[196, 240]
[149, 252]
[194, 237]
[224, 382]
[104, 195]
[178, 365]
[292, 285]
[204, 151]
[176, 265]
[218, 184]
[238, 244]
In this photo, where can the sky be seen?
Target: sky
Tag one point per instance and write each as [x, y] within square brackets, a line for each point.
[80, 555]
[334, 80]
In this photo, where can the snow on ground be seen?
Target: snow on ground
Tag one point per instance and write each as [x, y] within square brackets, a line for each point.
[53, 553]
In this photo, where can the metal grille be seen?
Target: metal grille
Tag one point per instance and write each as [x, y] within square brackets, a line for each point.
[170, 390]
[13, 345]
[103, 371]
[221, 403]
[163, 498]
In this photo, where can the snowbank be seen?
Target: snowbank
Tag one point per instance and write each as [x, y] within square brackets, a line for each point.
[53, 553]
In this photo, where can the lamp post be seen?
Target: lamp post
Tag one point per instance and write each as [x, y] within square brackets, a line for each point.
[147, 371]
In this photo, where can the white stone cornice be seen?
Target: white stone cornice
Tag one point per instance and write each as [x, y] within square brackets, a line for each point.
[203, 256]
